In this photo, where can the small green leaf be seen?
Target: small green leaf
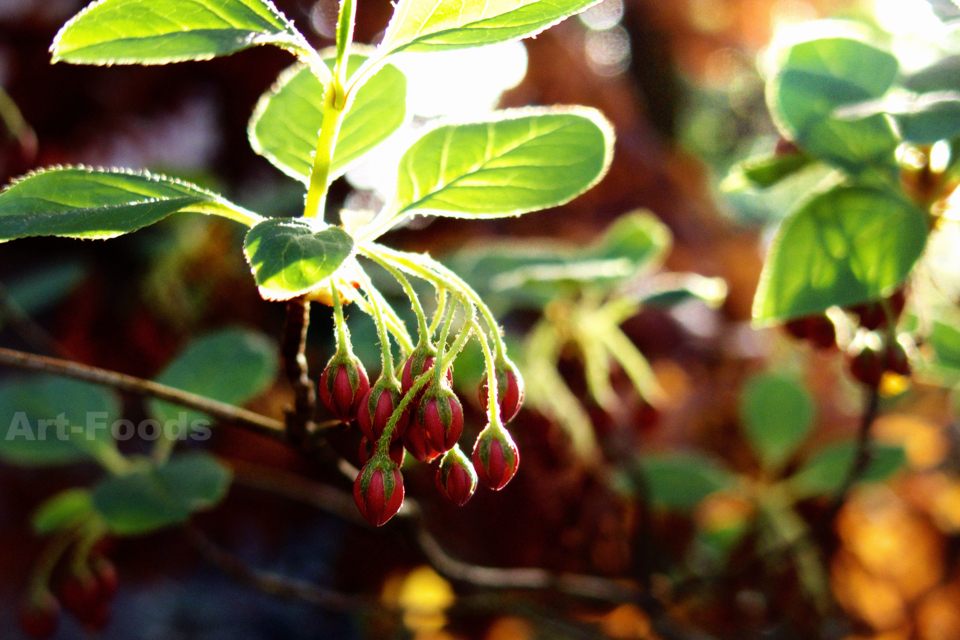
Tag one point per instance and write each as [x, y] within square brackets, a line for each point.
[666, 290]
[46, 420]
[637, 237]
[825, 473]
[680, 481]
[436, 25]
[286, 123]
[842, 247]
[777, 415]
[929, 117]
[818, 77]
[43, 287]
[945, 340]
[765, 171]
[525, 160]
[150, 498]
[63, 510]
[162, 31]
[78, 202]
[231, 366]
[291, 256]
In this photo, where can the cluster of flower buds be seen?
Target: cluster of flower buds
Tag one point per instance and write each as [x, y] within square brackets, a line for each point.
[872, 354]
[86, 593]
[420, 413]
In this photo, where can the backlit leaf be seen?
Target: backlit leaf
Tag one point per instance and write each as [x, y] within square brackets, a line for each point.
[291, 256]
[286, 123]
[682, 480]
[527, 159]
[78, 202]
[845, 246]
[825, 473]
[162, 31]
[777, 415]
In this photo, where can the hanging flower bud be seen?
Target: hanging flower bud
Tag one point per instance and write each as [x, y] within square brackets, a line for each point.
[82, 597]
[510, 390]
[343, 385]
[368, 448]
[495, 457]
[40, 617]
[441, 415]
[456, 478]
[376, 408]
[415, 441]
[378, 491]
[419, 361]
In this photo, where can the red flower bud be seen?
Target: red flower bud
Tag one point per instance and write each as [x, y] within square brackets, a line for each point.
[378, 491]
[40, 619]
[105, 573]
[343, 385]
[456, 478]
[897, 360]
[867, 364]
[415, 441]
[377, 407]
[495, 457]
[368, 448]
[818, 329]
[417, 363]
[510, 390]
[441, 415]
[82, 597]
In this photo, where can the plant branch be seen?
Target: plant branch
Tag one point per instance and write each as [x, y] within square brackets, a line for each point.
[147, 388]
[293, 348]
[269, 582]
[861, 460]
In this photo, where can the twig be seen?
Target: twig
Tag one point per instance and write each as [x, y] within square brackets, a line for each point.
[269, 582]
[863, 454]
[140, 387]
[340, 503]
[293, 348]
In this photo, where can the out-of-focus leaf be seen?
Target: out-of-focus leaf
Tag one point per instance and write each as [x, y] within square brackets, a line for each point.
[819, 76]
[286, 122]
[777, 414]
[765, 171]
[291, 256]
[947, 10]
[151, 498]
[231, 366]
[667, 290]
[942, 75]
[44, 287]
[62, 510]
[842, 247]
[161, 31]
[825, 473]
[30, 410]
[945, 340]
[680, 481]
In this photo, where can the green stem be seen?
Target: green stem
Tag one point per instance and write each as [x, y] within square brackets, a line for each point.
[343, 337]
[47, 562]
[440, 276]
[440, 366]
[383, 444]
[493, 407]
[386, 354]
[441, 304]
[469, 326]
[345, 22]
[425, 331]
[334, 109]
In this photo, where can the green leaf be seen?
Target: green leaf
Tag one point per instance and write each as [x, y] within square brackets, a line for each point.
[842, 247]
[46, 420]
[818, 77]
[286, 122]
[436, 25]
[43, 287]
[777, 415]
[945, 340]
[162, 31]
[231, 366]
[525, 160]
[825, 473]
[942, 75]
[78, 202]
[666, 290]
[291, 256]
[929, 117]
[63, 510]
[638, 238]
[765, 171]
[680, 481]
[150, 498]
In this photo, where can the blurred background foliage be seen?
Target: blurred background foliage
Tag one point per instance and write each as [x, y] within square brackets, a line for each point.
[665, 440]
